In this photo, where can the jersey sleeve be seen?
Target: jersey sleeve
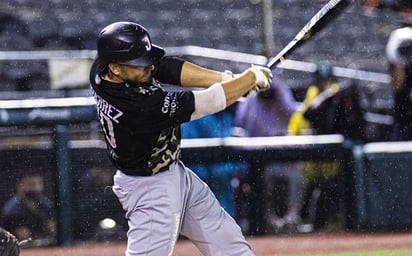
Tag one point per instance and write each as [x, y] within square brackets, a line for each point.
[168, 70]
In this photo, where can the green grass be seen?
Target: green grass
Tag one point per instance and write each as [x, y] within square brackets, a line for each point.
[366, 253]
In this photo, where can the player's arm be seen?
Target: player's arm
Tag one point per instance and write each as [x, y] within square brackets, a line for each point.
[222, 88]
[222, 94]
[176, 71]
[193, 75]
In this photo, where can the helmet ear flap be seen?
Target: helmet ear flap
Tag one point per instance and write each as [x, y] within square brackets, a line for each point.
[101, 66]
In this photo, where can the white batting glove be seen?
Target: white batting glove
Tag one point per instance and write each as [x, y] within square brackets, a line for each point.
[263, 76]
[227, 75]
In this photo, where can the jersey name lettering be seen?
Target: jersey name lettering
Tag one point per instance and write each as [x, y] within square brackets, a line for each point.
[107, 115]
[106, 109]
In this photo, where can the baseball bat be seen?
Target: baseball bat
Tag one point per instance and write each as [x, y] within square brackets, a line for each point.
[314, 25]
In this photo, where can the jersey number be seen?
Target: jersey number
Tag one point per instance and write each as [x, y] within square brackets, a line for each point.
[108, 130]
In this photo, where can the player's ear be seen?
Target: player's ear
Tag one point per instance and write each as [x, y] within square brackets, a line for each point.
[114, 68]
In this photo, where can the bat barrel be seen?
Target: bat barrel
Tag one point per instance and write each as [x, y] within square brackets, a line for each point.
[314, 25]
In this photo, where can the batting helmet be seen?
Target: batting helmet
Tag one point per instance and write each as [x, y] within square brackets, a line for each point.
[399, 46]
[127, 43]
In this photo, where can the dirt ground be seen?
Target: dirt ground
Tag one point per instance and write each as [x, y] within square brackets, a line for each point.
[262, 246]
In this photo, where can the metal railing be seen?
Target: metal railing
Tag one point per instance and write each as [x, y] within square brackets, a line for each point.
[197, 51]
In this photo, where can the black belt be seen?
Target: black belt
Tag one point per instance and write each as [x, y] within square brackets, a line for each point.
[142, 171]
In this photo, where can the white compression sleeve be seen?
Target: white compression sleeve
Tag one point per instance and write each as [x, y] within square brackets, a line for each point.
[209, 101]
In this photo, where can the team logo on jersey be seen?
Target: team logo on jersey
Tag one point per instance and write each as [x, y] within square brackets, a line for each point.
[169, 104]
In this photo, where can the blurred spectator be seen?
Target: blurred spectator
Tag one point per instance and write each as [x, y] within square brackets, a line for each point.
[370, 6]
[399, 53]
[218, 176]
[371, 3]
[404, 7]
[29, 213]
[323, 80]
[320, 177]
[337, 109]
[268, 114]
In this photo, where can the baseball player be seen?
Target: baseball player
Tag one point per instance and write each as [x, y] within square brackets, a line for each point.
[141, 122]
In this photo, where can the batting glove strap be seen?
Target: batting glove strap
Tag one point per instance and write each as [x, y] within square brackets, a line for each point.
[227, 75]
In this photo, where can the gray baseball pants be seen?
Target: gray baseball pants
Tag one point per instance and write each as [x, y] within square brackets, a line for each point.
[173, 202]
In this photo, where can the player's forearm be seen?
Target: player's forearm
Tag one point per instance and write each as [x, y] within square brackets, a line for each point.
[220, 95]
[193, 75]
[196, 76]
[236, 88]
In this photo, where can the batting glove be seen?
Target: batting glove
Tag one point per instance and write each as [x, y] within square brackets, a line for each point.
[227, 75]
[263, 76]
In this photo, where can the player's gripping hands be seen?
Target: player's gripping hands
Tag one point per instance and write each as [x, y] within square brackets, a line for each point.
[263, 77]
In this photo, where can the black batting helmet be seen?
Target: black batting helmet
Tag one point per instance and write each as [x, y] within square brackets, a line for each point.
[127, 43]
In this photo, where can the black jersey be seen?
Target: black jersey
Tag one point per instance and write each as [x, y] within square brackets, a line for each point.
[141, 122]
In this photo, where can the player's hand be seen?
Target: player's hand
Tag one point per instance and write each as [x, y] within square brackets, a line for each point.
[263, 77]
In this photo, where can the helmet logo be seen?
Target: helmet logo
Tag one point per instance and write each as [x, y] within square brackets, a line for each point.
[146, 42]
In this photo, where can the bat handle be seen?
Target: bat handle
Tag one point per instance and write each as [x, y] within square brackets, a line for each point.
[281, 55]
[273, 62]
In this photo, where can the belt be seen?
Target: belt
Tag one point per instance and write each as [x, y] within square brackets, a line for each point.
[143, 171]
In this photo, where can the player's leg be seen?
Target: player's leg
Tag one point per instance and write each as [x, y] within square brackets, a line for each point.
[153, 209]
[210, 228]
